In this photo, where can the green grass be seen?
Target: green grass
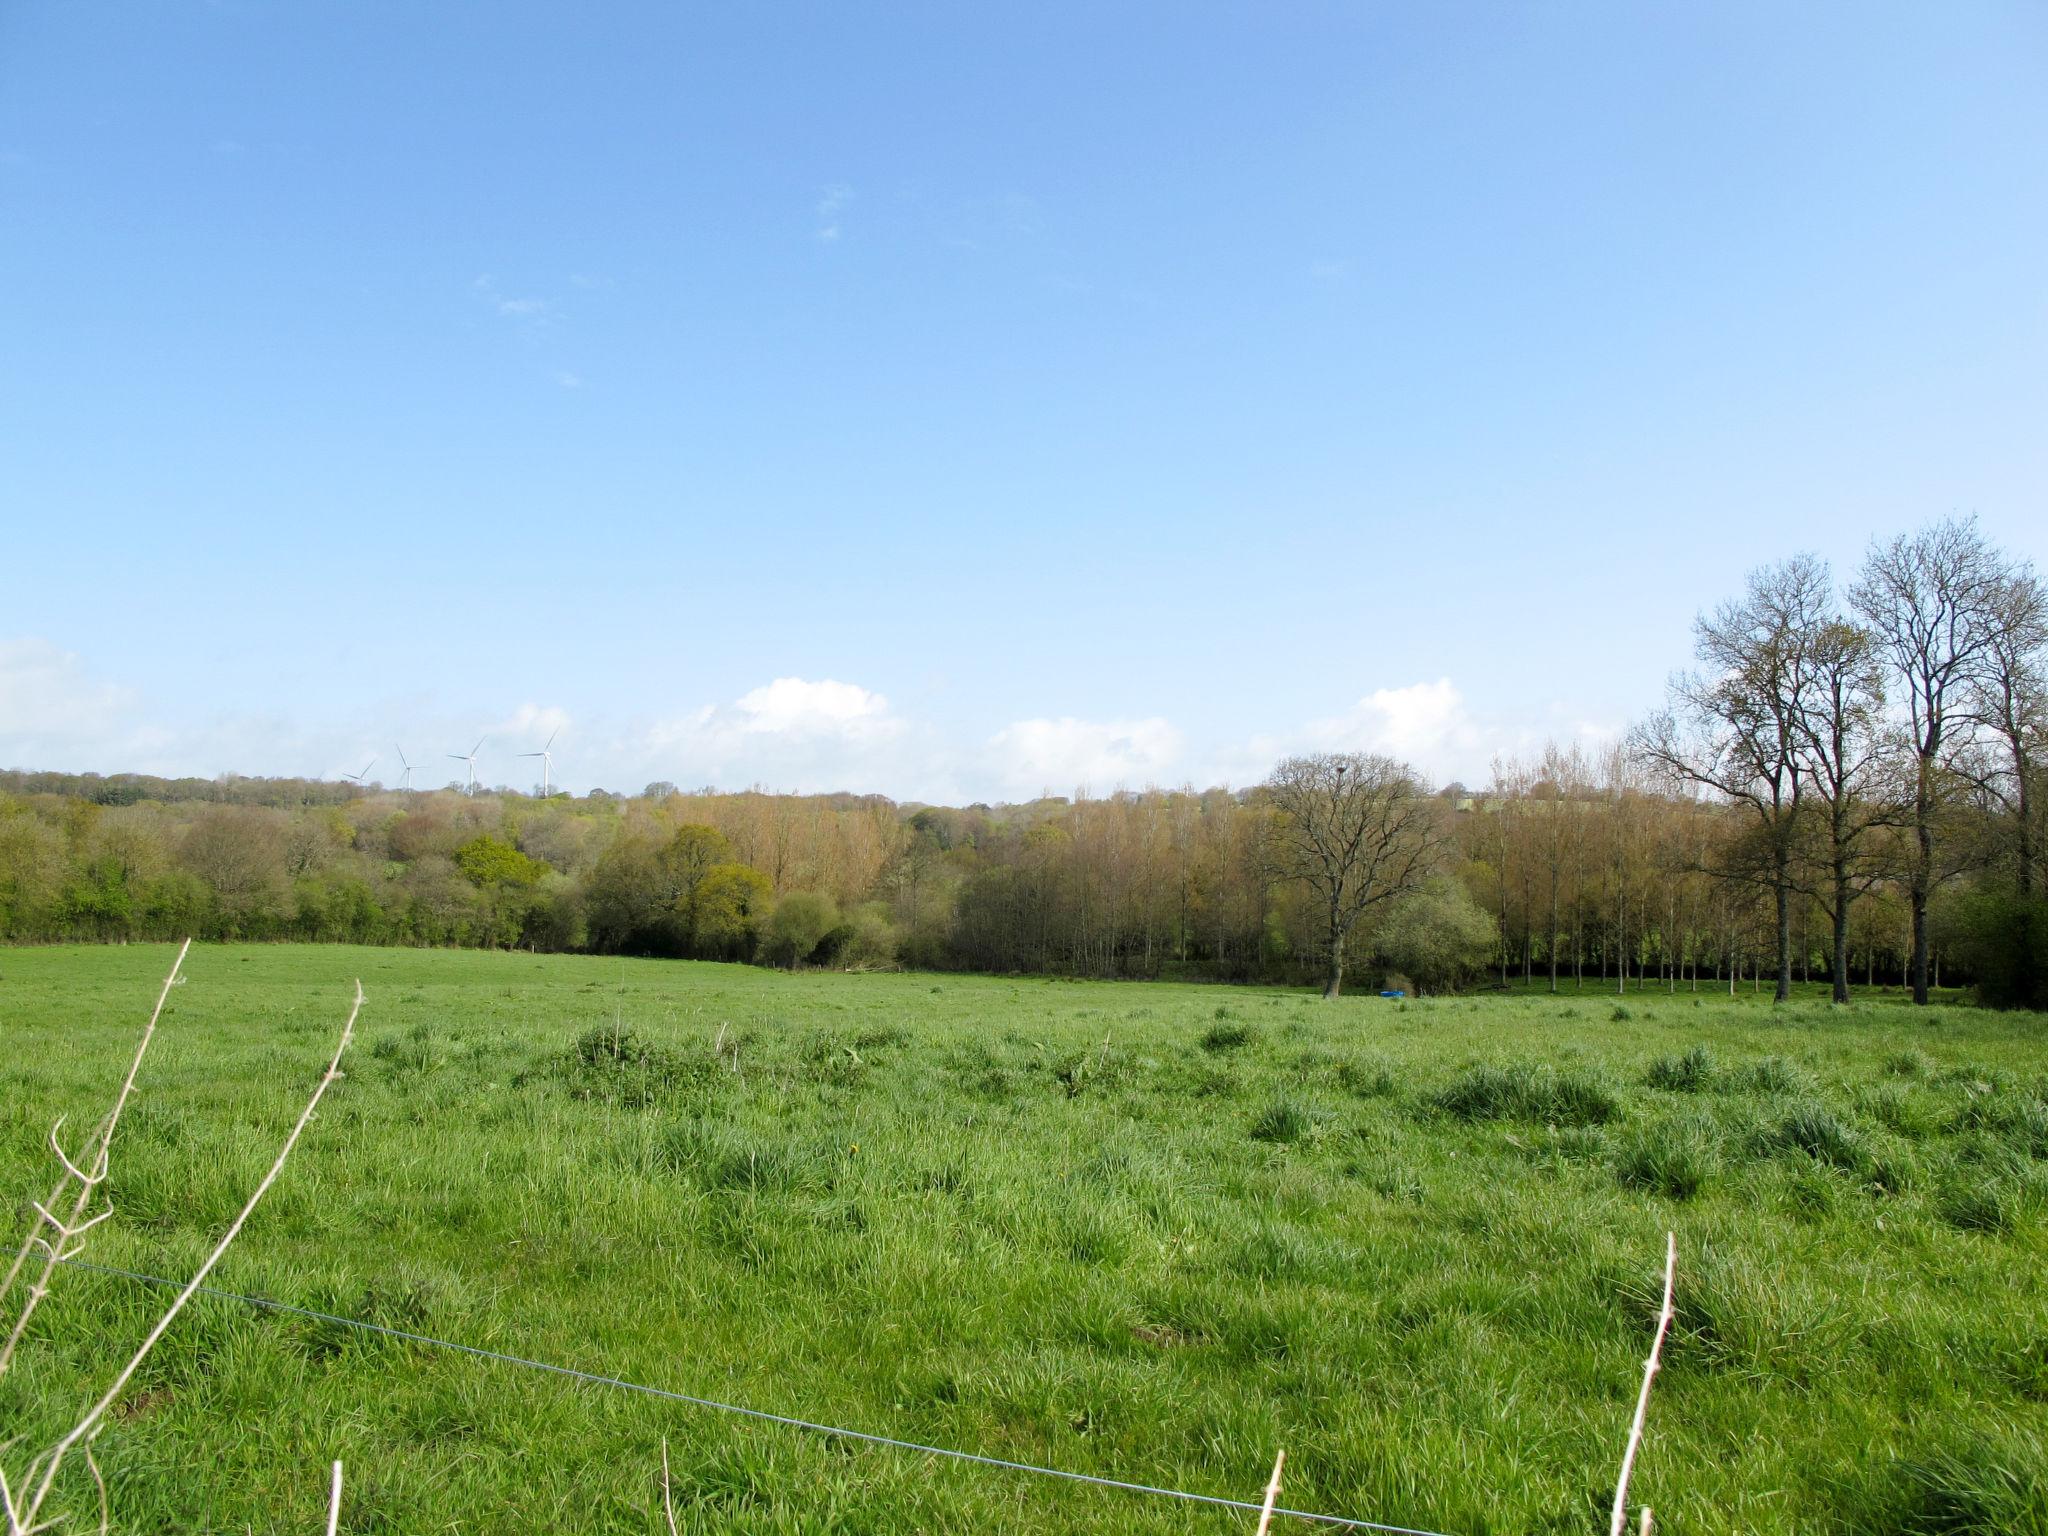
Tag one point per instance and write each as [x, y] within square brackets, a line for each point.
[1147, 1231]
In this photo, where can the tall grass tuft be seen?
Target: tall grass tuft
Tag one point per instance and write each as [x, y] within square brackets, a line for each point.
[1681, 1074]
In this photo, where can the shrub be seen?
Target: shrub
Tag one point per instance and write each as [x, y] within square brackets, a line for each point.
[1437, 934]
[797, 927]
[866, 941]
[1681, 1074]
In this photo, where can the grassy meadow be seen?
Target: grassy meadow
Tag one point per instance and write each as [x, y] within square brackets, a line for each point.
[1147, 1231]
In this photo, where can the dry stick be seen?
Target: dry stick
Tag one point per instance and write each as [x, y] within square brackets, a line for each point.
[95, 1160]
[1619, 1522]
[334, 1502]
[1272, 1493]
[53, 1458]
[668, 1505]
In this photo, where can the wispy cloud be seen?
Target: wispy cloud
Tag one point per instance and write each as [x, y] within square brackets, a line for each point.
[1031, 757]
[831, 204]
[511, 306]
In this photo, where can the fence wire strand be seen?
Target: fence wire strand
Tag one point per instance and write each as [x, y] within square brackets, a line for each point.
[594, 1378]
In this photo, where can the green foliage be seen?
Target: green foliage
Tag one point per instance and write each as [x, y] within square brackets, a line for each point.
[1437, 935]
[866, 939]
[732, 901]
[2001, 938]
[797, 928]
[487, 861]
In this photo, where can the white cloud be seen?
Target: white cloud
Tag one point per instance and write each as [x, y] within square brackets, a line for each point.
[47, 693]
[791, 733]
[831, 203]
[1028, 757]
[793, 706]
[1424, 723]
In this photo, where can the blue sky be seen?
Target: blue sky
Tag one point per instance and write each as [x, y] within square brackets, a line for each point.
[958, 401]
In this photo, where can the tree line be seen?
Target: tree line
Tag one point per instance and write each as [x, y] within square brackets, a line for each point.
[1845, 783]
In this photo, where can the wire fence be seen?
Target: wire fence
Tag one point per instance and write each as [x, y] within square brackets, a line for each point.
[595, 1378]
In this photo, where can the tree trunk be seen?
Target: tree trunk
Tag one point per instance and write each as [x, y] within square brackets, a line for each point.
[1841, 957]
[1919, 963]
[1333, 978]
[1784, 991]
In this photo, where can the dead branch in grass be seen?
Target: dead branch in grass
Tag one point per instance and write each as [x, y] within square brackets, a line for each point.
[1619, 1520]
[79, 1183]
[334, 1502]
[22, 1513]
[1272, 1493]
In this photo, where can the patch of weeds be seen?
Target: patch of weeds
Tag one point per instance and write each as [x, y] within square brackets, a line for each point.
[2021, 1123]
[1975, 1483]
[1281, 1121]
[1225, 1036]
[1898, 1109]
[1769, 1075]
[1519, 1093]
[621, 1067]
[1621, 1014]
[1674, 1159]
[417, 1051]
[1370, 1077]
[1912, 1062]
[1979, 1205]
[1812, 1193]
[1681, 1074]
[1815, 1130]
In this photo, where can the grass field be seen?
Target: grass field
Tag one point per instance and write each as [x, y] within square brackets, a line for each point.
[1147, 1231]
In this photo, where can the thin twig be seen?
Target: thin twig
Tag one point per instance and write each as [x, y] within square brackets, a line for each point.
[1272, 1493]
[334, 1502]
[53, 1459]
[1619, 1521]
[668, 1503]
[95, 1160]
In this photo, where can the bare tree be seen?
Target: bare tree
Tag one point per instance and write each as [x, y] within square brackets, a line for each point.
[2010, 700]
[1733, 726]
[1932, 600]
[1358, 830]
[1841, 750]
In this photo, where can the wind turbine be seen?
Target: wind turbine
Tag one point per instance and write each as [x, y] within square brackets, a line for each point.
[469, 757]
[357, 778]
[405, 778]
[547, 762]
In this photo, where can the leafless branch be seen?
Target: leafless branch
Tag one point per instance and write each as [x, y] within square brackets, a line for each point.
[43, 1473]
[1272, 1493]
[1619, 1522]
[79, 1181]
